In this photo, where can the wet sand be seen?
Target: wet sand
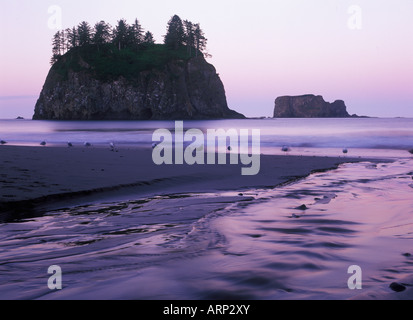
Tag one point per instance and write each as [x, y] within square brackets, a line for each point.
[35, 174]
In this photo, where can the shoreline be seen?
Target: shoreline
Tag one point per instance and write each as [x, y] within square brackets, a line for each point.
[33, 176]
[130, 175]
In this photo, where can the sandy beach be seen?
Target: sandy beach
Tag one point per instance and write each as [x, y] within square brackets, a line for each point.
[116, 222]
[37, 174]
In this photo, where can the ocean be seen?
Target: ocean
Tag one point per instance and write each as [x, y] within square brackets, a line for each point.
[364, 136]
[295, 241]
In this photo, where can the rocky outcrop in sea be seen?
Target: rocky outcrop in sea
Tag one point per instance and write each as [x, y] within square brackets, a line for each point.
[178, 90]
[309, 106]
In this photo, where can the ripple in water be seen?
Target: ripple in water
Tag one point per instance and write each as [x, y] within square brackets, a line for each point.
[291, 242]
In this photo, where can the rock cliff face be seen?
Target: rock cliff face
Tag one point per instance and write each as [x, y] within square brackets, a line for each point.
[309, 106]
[181, 89]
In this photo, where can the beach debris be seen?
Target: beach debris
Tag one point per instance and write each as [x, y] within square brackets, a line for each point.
[397, 287]
[296, 216]
[112, 146]
[69, 144]
[3, 142]
[88, 144]
[302, 207]
[43, 143]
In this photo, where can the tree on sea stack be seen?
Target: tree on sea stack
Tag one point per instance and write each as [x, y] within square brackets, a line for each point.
[72, 38]
[190, 36]
[84, 32]
[56, 48]
[200, 40]
[148, 39]
[135, 34]
[175, 36]
[101, 34]
[120, 34]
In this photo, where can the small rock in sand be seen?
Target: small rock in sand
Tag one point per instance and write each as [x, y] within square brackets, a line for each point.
[302, 207]
[397, 287]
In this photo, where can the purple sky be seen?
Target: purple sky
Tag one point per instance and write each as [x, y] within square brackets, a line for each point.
[357, 51]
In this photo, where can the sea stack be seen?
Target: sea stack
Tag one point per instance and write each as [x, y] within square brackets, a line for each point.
[105, 85]
[309, 106]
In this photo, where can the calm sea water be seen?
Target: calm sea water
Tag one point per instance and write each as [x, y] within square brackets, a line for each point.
[303, 136]
[260, 244]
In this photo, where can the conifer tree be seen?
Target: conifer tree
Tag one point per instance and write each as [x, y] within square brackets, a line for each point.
[200, 40]
[136, 36]
[148, 39]
[121, 34]
[84, 33]
[72, 38]
[63, 42]
[56, 47]
[189, 36]
[101, 34]
[175, 36]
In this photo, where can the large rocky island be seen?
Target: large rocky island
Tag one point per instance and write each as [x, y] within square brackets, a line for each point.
[120, 73]
[309, 106]
[75, 89]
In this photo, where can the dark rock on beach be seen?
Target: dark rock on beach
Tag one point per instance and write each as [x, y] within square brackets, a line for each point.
[397, 287]
[303, 207]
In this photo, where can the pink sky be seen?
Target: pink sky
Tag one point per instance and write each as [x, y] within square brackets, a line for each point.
[261, 49]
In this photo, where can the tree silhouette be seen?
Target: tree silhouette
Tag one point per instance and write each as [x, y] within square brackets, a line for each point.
[56, 47]
[101, 34]
[189, 36]
[200, 40]
[120, 34]
[84, 33]
[175, 36]
[135, 37]
[132, 37]
[148, 39]
[72, 38]
[63, 42]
